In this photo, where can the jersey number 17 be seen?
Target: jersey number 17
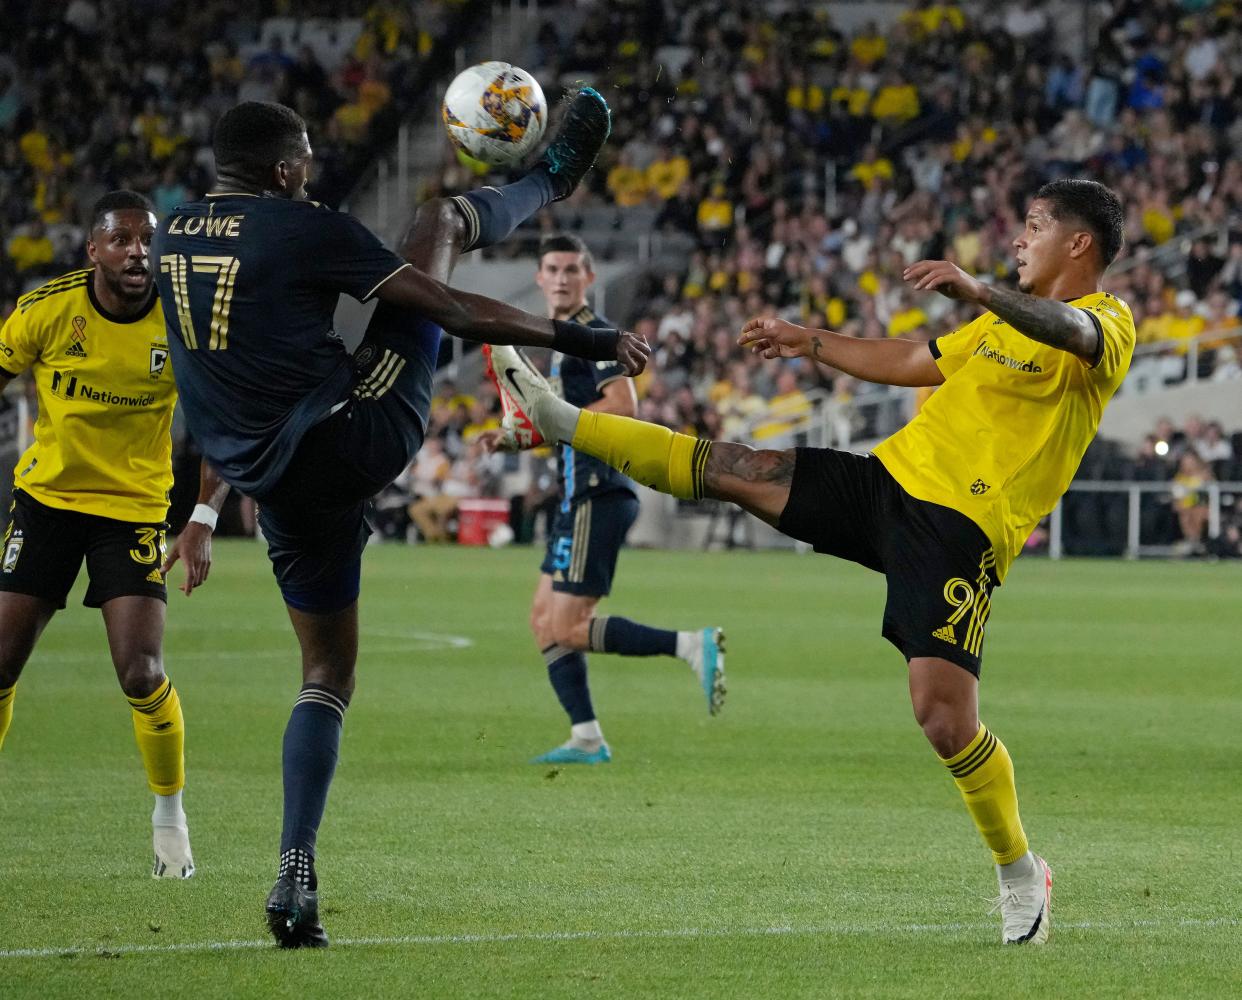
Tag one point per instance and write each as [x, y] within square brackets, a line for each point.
[178, 267]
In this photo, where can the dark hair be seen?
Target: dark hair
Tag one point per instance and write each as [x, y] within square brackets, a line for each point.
[253, 136]
[1095, 206]
[566, 243]
[115, 201]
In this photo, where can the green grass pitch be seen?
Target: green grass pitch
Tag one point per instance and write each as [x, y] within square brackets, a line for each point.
[805, 843]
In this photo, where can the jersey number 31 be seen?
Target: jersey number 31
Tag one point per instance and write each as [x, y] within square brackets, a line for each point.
[178, 269]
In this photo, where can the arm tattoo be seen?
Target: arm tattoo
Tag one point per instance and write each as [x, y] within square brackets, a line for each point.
[816, 346]
[1047, 321]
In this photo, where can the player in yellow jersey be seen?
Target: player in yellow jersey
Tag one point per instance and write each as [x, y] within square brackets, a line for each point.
[94, 486]
[944, 505]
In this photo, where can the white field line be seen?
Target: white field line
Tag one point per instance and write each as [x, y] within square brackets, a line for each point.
[688, 933]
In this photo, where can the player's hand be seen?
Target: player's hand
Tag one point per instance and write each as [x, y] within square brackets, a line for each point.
[775, 338]
[947, 279]
[499, 439]
[632, 351]
[192, 547]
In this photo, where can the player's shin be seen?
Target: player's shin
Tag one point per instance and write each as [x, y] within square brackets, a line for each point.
[159, 731]
[6, 711]
[613, 634]
[650, 454]
[983, 773]
[311, 743]
[491, 213]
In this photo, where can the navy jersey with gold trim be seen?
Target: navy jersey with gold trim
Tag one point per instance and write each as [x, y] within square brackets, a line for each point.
[580, 383]
[250, 286]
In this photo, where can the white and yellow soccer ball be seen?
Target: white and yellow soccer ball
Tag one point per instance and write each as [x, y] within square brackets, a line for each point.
[495, 113]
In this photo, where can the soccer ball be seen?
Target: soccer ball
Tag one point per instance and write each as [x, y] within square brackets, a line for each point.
[495, 113]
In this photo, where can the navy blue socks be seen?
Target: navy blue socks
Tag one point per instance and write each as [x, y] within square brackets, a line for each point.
[567, 670]
[312, 738]
[491, 213]
[611, 634]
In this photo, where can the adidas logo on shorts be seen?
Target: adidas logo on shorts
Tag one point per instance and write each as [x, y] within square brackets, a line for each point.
[945, 634]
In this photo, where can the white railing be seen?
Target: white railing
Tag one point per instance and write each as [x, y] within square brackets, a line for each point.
[1134, 491]
[1176, 362]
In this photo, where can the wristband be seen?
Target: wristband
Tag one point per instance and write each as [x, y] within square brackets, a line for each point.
[204, 514]
[584, 341]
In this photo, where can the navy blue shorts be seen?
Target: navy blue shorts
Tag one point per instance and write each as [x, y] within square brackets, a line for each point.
[940, 566]
[585, 542]
[315, 518]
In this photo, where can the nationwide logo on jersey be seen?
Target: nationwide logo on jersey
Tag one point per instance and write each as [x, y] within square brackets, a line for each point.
[159, 359]
[77, 349]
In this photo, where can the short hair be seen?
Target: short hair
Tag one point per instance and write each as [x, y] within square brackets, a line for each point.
[565, 243]
[115, 201]
[253, 136]
[1093, 205]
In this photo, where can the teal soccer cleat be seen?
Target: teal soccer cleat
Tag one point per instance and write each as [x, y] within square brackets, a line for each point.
[567, 753]
[583, 130]
[708, 662]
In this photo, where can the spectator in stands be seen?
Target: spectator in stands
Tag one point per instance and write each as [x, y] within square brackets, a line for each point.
[1190, 500]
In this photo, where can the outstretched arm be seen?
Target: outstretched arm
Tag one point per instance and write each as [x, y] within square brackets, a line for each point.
[476, 317]
[193, 545]
[1048, 321]
[888, 362]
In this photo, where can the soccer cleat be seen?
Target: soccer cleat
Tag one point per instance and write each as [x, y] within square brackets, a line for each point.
[172, 852]
[584, 128]
[1025, 906]
[708, 662]
[514, 420]
[293, 915]
[568, 753]
[518, 378]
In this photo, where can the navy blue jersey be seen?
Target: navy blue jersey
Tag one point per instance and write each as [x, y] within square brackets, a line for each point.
[249, 287]
[580, 383]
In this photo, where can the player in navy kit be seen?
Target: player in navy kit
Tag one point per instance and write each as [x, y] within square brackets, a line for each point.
[598, 508]
[250, 278]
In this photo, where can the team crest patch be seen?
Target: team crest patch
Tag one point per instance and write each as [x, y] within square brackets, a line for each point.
[979, 487]
[159, 358]
[12, 549]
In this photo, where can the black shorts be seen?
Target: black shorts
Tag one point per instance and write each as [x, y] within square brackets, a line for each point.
[585, 542]
[44, 548]
[315, 519]
[939, 564]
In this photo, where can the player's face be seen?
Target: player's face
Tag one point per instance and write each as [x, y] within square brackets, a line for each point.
[564, 278]
[1043, 249]
[120, 248]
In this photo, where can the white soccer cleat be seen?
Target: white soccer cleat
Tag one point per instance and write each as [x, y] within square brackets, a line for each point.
[518, 433]
[707, 660]
[518, 379]
[172, 852]
[1025, 906]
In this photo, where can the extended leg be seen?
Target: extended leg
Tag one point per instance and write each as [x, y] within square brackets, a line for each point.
[22, 620]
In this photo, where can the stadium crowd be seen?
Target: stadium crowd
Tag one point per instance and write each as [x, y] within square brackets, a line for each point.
[806, 167]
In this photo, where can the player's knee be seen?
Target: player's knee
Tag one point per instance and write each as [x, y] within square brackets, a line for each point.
[572, 633]
[440, 215]
[945, 725]
[140, 674]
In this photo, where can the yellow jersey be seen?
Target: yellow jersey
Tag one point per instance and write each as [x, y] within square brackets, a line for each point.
[1001, 439]
[102, 441]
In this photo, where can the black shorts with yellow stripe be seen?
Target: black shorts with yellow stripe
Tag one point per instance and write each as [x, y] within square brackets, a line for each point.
[585, 541]
[44, 548]
[939, 564]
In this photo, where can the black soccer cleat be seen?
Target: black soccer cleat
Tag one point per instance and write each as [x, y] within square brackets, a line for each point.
[583, 130]
[293, 915]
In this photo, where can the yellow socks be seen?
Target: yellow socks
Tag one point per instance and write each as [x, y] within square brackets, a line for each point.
[983, 773]
[6, 711]
[159, 730]
[652, 455]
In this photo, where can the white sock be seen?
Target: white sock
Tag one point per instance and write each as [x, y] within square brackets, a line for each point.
[1016, 871]
[587, 732]
[556, 419]
[687, 645]
[168, 811]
